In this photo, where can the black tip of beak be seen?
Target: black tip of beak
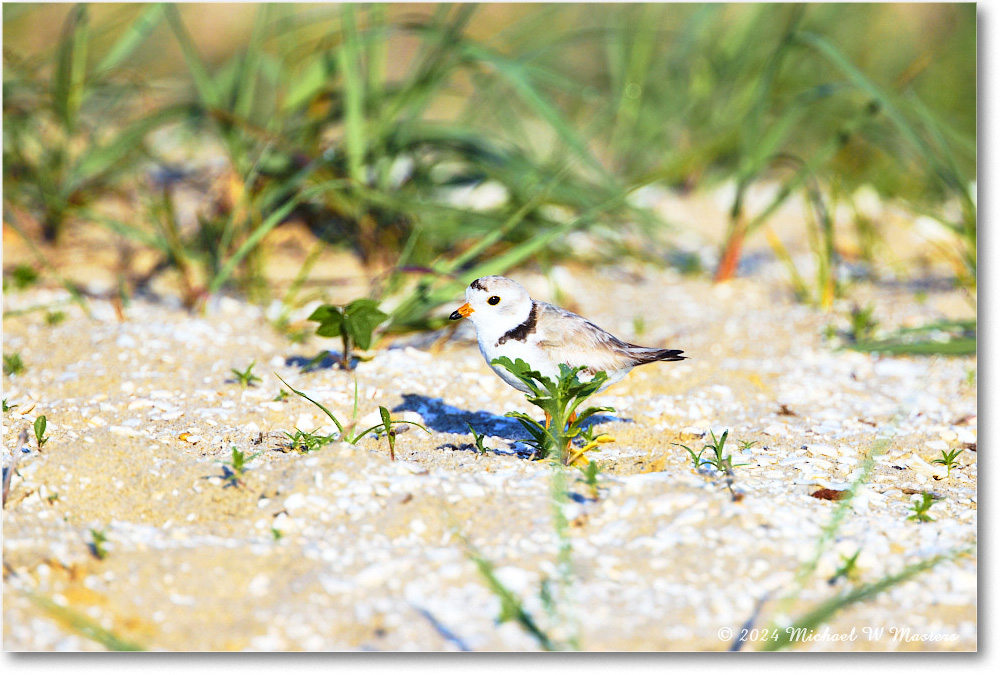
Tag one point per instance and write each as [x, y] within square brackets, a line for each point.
[455, 316]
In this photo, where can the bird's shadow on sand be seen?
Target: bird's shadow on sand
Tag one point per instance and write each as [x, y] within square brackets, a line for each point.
[447, 419]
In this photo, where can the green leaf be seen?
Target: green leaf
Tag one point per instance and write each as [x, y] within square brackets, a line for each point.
[40, 424]
[331, 320]
[523, 372]
[593, 410]
[361, 318]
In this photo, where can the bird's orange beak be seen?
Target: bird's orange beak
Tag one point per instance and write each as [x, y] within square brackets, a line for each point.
[462, 312]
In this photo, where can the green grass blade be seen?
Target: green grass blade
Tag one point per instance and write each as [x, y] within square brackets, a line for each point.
[520, 78]
[319, 405]
[84, 625]
[432, 64]
[134, 37]
[637, 57]
[842, 63]
[825, 611]
[309, 82]
[128, 230]
[361, 434]
[208, 93]
[840, 512]
[958, 347]
[108, 158]
[377, 51]
[71, 64]
[961, 340]
[349, 57]
[246, 82]
[511, 605]
[268, 224]
[494, 236]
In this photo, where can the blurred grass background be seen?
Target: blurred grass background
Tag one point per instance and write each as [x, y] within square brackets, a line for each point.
[443, 142]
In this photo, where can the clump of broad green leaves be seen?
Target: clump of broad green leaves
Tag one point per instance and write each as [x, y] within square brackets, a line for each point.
[354, 323]
[559, 400]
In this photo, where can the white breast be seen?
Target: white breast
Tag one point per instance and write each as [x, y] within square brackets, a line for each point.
[513, 350]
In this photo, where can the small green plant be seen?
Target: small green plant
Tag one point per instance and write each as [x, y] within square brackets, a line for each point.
[8, 408]
[276, 534]
[246, 378]
[719, 460]
[825, 610]
[555, 594]
[511, 606]
[559, 401]
[588, 438]
[23, 277]
[296, 336]
[40, 437]
[346, 433]
[746, 445]
[52, 498]
[723, 463]
[921, 507]
[847, 569]
[354, 323]
[55, 318]
[481, 449]
[98, 538]
[307, 441]
[696, 459]
[13, 364]
[390, 433]
[234, 470]
[863, 323]
[281, 396]
[590, 478]
[638, 324]
[948, 459]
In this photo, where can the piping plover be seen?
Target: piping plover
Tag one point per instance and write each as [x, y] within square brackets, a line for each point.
[509, 323]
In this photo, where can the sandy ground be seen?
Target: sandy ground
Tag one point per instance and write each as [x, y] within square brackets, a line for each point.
[342, 548]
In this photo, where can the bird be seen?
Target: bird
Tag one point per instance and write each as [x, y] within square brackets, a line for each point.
[510, 323]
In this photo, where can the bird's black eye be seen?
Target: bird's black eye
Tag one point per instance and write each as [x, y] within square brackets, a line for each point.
[495, 300]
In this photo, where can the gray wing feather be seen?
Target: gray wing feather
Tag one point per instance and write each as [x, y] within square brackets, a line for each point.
[569, 338]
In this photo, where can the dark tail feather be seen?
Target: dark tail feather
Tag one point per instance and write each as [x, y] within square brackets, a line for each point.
[649, 354]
